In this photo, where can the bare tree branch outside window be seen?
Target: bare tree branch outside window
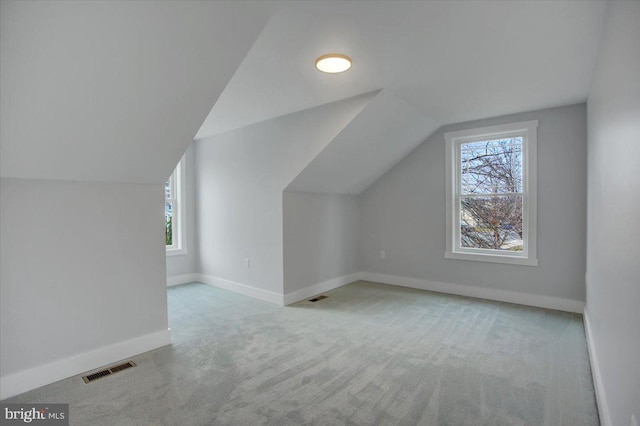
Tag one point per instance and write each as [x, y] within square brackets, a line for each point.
[491, 194]
[168, 212]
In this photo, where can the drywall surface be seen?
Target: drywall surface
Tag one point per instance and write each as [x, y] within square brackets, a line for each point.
[439, 56]
[187, 263]
[381, 135]
[241, 176]
[82, 266]
[320, 238]
[403, 213]
[613, 231]
[114, 91]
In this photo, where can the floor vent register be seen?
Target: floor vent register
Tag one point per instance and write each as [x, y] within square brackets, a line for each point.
[107, 371]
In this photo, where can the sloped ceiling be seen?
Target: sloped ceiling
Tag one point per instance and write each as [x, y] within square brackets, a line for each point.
[382, 134]
[453, 60]
[278, 75]
[436, 63]
[114, 91]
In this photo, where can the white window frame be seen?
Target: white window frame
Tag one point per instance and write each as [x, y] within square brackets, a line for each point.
[178, 182]
[529, 132]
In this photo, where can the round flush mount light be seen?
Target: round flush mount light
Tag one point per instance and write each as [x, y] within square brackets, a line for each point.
[333, 63]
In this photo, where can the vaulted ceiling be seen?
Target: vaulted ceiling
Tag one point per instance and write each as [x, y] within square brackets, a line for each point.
[453, 60]
[382, 134]
[115, 91]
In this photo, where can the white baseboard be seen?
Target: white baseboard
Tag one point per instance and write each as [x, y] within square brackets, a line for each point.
[33, 378]
[548, 302]
[182, 279]
[305, 293]
[247, 290]
[273, 297]
[603, 408]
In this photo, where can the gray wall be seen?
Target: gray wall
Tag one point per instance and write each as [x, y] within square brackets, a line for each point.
[82, 266]
[98, 92]
[613, 232]
[320, 238]
[404, 213]
[187, 263]
[241, 176]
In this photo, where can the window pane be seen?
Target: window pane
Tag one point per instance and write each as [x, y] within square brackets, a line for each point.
[167, 190]
[491, 167]
[491, 222]
[168, 219]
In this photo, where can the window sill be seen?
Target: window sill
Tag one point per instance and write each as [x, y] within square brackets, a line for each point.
[176, 252]
[492, 258]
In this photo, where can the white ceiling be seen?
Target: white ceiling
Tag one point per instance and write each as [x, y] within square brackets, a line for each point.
[453, 60]
[381, 135]
[115, 91]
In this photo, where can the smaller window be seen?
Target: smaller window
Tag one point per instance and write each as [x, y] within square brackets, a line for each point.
[491, 194]
[174, 212]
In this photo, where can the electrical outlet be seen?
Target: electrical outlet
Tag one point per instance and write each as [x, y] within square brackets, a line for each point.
[383, 254]
[634, 422]
[247, 263]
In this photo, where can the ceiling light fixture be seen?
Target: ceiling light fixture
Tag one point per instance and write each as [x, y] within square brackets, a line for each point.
[333, 63]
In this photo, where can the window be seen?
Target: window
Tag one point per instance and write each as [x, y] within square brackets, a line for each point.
[491, 194]
[174, 212]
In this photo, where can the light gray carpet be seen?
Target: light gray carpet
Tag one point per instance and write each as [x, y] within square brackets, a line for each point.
[369, 354]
